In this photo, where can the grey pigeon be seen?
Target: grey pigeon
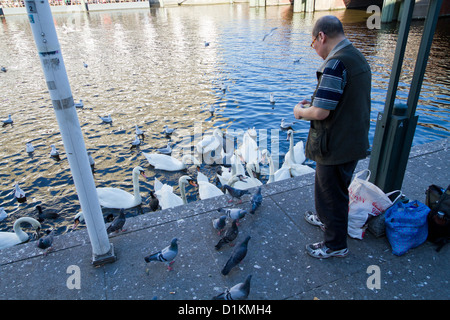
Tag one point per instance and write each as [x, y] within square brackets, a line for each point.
[166, 255]
[46, 242]
[237, 256]
[235, 193]
[231, 234]
[118, 223]
[234, 213]
[256, 200]
[220, 223]
[239, 291]
[46, 214]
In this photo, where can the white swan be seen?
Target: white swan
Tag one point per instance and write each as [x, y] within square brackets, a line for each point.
[245, 182]
[167, 198]
[281, 174]
[205, 188]
[9, 239]
[249, 149]
[299, 149]
[117, 198]
[168, 163]
[211, 143]
[295, 168]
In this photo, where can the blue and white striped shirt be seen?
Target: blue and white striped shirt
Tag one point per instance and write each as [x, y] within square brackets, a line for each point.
[331, 85]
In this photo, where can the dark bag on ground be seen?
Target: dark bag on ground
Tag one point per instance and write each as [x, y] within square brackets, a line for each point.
[438, 200]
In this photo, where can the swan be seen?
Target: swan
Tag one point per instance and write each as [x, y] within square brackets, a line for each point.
[9, 239]
[205, 188]
[299, 149]
[281, 174]
[117, 198]
[211, 143]
[249, 149]
[245, 182]
[169, 163]
[167, 198]
[295, 168]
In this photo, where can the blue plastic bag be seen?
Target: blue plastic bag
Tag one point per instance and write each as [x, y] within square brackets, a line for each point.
[406, 226]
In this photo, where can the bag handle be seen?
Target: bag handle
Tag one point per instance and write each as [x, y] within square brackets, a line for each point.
[363, 172]
[398, 197]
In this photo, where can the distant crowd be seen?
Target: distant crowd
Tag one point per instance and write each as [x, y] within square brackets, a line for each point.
[15, 3]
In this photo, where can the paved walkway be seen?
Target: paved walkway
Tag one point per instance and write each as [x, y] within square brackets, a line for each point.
[276, 256]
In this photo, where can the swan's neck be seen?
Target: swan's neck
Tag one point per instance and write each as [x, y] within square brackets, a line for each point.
[291, 148]
[182, 186]
[136, 189]
[271, 171]
[23, 236]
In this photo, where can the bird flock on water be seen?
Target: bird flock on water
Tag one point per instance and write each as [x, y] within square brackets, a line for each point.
[236, 180]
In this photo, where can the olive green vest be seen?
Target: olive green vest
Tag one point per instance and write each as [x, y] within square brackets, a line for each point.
[343, 136]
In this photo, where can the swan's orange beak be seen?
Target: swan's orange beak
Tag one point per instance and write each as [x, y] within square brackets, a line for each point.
[193, 183]
[143, 174]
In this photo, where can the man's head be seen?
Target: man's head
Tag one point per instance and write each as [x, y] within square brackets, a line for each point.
[327, 33]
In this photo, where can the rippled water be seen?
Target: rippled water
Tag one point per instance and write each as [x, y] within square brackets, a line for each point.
[151, 68]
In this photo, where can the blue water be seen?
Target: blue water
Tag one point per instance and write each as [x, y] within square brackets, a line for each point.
[151, 68]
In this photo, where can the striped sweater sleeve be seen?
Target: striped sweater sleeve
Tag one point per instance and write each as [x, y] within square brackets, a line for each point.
[331, 85]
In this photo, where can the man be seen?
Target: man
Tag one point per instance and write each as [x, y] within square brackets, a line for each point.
[340, 119]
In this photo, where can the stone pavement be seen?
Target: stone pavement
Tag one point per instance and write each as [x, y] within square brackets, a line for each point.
[276, 256]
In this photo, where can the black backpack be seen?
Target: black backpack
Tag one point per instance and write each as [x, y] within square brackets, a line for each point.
[438, 200]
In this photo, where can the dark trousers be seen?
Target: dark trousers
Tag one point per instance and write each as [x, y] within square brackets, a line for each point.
[331, 201]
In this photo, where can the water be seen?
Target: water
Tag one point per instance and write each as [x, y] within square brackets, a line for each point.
[151, 68]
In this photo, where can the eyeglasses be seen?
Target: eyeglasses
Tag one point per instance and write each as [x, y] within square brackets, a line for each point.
[312, 43]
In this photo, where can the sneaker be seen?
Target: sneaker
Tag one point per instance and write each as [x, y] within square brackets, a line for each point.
[321, 251]
[313, 219]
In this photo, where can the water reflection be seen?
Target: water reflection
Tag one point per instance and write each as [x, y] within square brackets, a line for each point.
[151, 67]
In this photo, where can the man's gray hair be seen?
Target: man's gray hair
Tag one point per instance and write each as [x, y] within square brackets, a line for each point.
[330, 25]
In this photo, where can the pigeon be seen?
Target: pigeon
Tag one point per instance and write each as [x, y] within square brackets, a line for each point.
[234, 213]
[3, 214]
[154, 202]
[168, 131]
[47, 214]
[256, 200]
[79, 104]
[235, 193]
[220, 223]
[8, 121]
[106, 119]
[231, 234]
[167, 150]
[239, 291]
[46, 242]
[3, 69]
[139, 133]
[54, 153]
[166, 255]
[29, 148]
[19, 194]
[237, 256]
[136, 142]
[270, 33]
[118, 223]
[91, 161]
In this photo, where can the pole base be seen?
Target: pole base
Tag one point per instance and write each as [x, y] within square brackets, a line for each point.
[109, 257]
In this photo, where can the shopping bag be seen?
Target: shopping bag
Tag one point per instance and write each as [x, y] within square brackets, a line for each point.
[406, 226]
[365, 200]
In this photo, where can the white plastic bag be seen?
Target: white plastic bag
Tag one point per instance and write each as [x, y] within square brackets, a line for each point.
[365, 199]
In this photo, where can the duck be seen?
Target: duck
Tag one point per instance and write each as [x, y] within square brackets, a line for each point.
[209, 144]
[169, 163]
[205, 188]
[154, 202]
[46, 214]
[167, 198]
[281, 174]
[117, 198]
[79, 104]
[9, 239]
[8, 121]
